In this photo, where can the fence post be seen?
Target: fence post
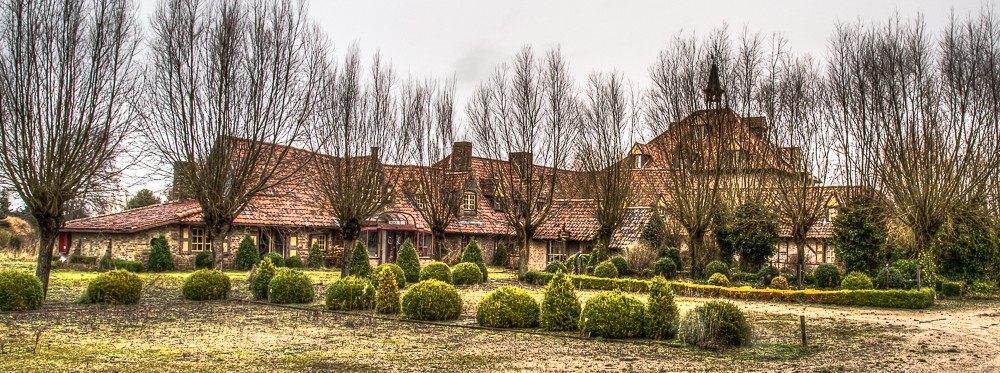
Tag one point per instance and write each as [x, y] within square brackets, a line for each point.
[802, 329]
[918, 277]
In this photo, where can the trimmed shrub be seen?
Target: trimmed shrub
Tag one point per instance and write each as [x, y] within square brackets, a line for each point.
[105, 263]
[396, 271]
[856, 281]
[276, 259]
[951, 289]
[715, 325]
[827, 276]
[260, 279]
[473, 254]
[246, 255]
[598, 255]
[749, 278]
[117, 286]
[661, 311]
[606, 269]
[387, 293]
[293, 262]
[432, 300]
[350, 293]
[560, 309]
[466, 274]
[673, 253]
[436, 271]
[536, 277]
[20, 291]
[128, 265]
[508, 307]
[665, 267]
[621, 265]
[203, 260]
[889, 278]
[500, 255]
[360, 265]
[613, 314]
[571, 263]
[315, 259]
[767, 273]
[82, 259]
[556, 266]
[290, 286]
[716, 267]
[780, 283]
[206, 284]
[160, 259]
[408, 260]
[719, 279]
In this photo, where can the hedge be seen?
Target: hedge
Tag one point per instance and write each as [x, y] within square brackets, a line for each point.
[872, 298]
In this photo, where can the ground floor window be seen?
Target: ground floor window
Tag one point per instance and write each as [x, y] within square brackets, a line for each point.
[318, 240]
[556, 251]
[199, 241]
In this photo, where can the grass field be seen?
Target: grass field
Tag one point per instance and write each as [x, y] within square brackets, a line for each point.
[167, 333]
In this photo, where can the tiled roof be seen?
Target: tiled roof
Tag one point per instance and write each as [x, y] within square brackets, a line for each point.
[631, 228]
[575, 216]
[136, 219]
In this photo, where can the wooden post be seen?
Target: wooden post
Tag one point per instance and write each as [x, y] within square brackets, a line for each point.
[802, 329]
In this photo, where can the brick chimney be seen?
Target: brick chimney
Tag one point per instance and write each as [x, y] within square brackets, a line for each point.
[461, 156]
[521, 163]
[375, 154]
[180, 190]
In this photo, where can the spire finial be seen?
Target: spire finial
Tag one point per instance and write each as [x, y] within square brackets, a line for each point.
[714, 91]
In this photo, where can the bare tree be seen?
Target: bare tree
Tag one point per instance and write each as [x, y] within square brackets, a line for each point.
[231, 86]
[918, 120]
[66, 73]
[526, 113]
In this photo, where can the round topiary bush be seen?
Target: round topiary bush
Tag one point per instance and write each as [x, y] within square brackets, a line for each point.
[387, 293]
[360, 265]
[20, 291]
[408, 260]
[290, 286]
[350, 293]
[621, 265]
[116, 286]
[827, 276]
[473, 254]
[889, 278]
[203, 260]
[466, 274]
[159, 255]
[247, 254]
[665, 267]
[276, 259]
[715, 325]
[432, 300]
[560, 309]
[613, 314]
[780, 283]
[718, 279]
[315, 258]
[662, 316]
[260, 279]
[206, 284]
[436, 271]
[293, 262]
[508, 307]
[606, 269]
[856, 281]
[396, 270]
[556, 266]
[716, 267]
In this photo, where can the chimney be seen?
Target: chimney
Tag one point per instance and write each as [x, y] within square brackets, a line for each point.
[180, 190]
[461, 156]
[375, 154]
[521, 163]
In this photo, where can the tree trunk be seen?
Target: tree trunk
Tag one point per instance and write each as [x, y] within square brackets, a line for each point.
[349, 244]
[438, 244]
[694, 246]
[800, 249]
[217, 233]
[48, 231]
[525, 252]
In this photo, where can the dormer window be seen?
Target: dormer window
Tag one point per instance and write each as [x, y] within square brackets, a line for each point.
[641, 160]
[831, 213]
[469, 202]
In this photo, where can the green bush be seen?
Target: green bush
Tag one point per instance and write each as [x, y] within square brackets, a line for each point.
[967, 247]
[536, 277]
[260, 279]
[856, 281]
[408, 260]
[105, 262]
[859, 235]
[20, 291]
[715, 325]
[571, 262]
[982, 289]
[780, 283]
[396, 270]
[466, 274]
[560, 309]
[673, 253]
[436, 271]
[613, 314]
[661, 311]
[665, 267]
[82, 259]
[293, 262]
[766, 273]
[432, 300]
[360, 265]
[290, 286]
[473, 254]
[754, 234]
[716, 267]
[246, 255]
[556, 266]
[276, 259]
[744, 277]
[206, 284]
[827, 276]
[719, 279]
[350, 293]
[508, 307]
[621, 265]
[128, 265]
[606, 269]
[598, 255]
[116, 286]
[500, 255]
[387, 293]
[203, 260]
[315, 259]
[160, 259]
[890, 278]
[951, 289]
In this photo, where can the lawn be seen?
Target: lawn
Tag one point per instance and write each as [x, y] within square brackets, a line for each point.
[166, 333]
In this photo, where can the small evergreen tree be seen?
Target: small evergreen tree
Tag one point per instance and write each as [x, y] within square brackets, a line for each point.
[315, 256]
[754, 235]
[597, 256]
[654, 230]
[159, 255]
[143, 198]
[387, 294]
[500, 255]
[474, 255]
[246, 254]
[859, 236]
[360, 265]
[662, 316]
[408, 260]
[560, 308]
[722, 232]
[261, 279]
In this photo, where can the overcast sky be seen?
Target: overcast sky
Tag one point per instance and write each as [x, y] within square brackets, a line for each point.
[467, 39]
